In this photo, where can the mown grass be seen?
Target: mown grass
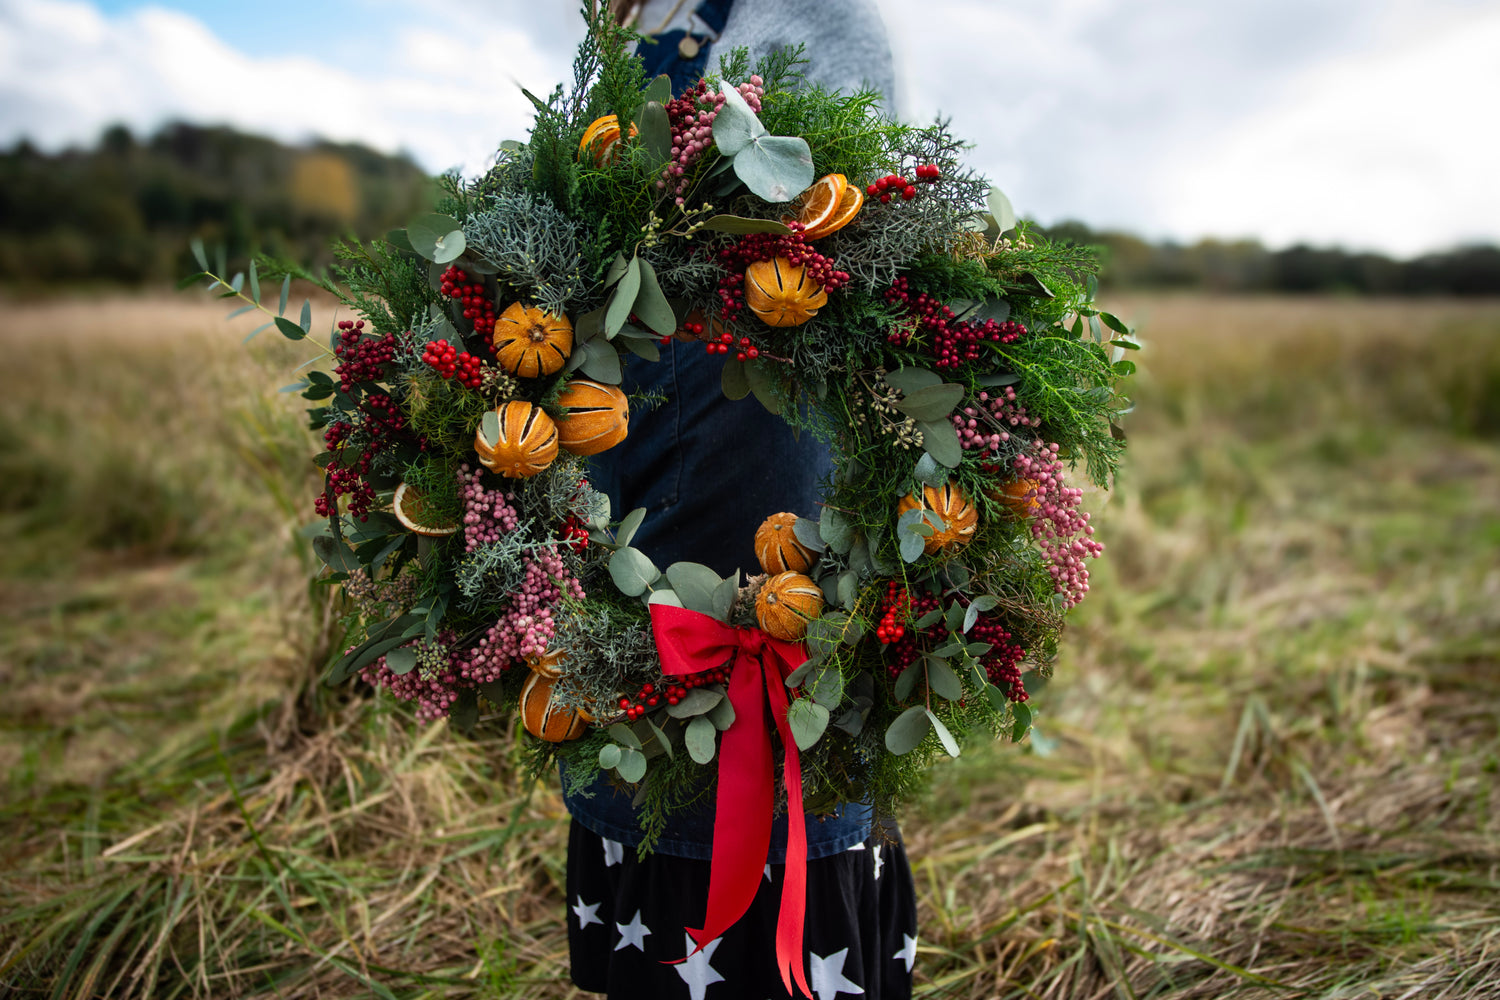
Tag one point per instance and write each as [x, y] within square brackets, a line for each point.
[1266, 765]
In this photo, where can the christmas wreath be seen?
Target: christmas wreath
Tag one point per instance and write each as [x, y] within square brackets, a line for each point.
[858, 281]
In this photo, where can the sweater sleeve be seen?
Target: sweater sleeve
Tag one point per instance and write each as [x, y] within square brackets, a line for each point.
[845, 40]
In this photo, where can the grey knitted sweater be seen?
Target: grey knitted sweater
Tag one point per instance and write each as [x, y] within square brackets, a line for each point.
[845, 40]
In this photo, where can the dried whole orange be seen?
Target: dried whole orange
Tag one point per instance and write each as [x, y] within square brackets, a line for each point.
[949, 503]
[540, 713]
[777, 548]
[525, 441]
[827, 206]
[786, 603]
[595, 417]
[781, 293]
[530, 342]
[1019, 496]
[601, 136]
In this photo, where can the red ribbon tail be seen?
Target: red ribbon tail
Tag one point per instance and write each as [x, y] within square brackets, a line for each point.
[793, 912]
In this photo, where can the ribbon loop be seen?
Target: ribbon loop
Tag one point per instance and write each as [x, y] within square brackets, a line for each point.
[688, 643]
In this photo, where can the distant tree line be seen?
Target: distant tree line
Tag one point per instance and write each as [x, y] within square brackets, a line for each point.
[123, 212]
[1247, 266]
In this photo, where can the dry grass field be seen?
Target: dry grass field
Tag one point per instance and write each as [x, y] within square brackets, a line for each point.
[1265, 767]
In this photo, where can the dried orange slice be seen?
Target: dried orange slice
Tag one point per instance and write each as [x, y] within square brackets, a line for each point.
[848, 207]
[412, 511]
[819, 202]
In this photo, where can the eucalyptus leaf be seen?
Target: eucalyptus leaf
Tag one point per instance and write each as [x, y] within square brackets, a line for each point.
[624, 734]
[910, 380]
[632, 766]
[942, 680]
[978, 606]
[463, 715]
[609, 756]
[758, 375]
[929, 472]
[642, 347]
[998, 379]
[929, 619]
[698, 701]
[908, 536]
[721, 715]
[933, 402]
[651, 305]
[1001, 208]
[827, 686]
[336, 554]
[431, 236]
[664, 596]
[941, 442]
[629, 526]
[288, 329]
[622, 299]
[848, 589]
[808, 720]
[601, 362]
[700, 739]
[588, 325]
[806, 532]
[617, 268]
[734, 123]
[724, 595]
[945, 737]
[733, 380]
[737, 225]
[694, 583]
[907, 682]
[658, 90]
[776, 168]
[489, 427]
[1021, 713]
[286, 289]
[834, 529]
[632, 571]
[661, 737]
[655, 131]
[401, 660]
[907, 732]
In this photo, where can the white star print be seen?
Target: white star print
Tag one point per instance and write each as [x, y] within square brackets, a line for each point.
[586, 913]
[879, 861]
[908, 952]
[696, 971]
[857, 847]
[826, 980]
[614, 852]
[633, 933]
[768, 871]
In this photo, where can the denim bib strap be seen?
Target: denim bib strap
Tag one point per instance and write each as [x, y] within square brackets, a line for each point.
[661, 53]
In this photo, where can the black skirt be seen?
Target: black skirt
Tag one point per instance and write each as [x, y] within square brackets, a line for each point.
[627, 918]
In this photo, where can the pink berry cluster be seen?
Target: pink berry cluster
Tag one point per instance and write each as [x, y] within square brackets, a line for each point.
[985, 424]
[1061, 530]
[478, 308]
[756, 247]
[692, 119]
[380, 420]
[487, 514]
[362, 358]
[526, 628]
[433, 684]
[951, 342]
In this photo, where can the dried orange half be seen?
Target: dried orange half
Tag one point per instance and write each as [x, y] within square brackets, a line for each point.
[411, 510]
[843, 213]
[819, 202]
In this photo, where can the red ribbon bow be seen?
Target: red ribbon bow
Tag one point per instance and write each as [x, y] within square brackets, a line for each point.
[689, 643]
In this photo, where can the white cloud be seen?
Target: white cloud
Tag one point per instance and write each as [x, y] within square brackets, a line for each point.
[1326, 120]
[448, 98]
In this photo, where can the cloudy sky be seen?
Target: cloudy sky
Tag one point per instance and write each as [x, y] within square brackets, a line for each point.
[1368, 123]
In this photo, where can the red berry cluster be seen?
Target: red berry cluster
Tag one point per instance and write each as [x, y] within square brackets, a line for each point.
[895, 606]
[448, 361]
[380, 420]
[756, 247]
[906, 648]
[478, 308]
[574, 533]
[747, 351]
[896, 184]
[951, 342]
[362, 359]
[692, 329]
[671, 692]
[1002, 664]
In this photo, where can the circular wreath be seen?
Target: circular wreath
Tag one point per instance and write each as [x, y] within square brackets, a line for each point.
[857, 280]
